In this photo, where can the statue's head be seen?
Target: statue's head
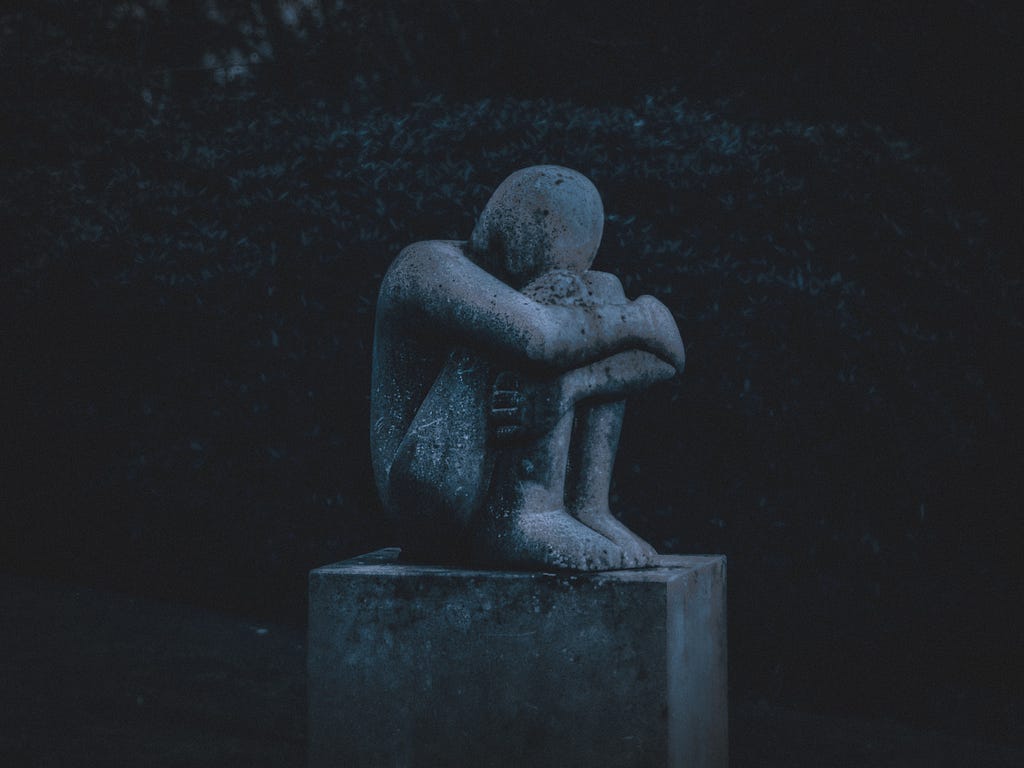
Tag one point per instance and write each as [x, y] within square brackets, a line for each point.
[540, 218]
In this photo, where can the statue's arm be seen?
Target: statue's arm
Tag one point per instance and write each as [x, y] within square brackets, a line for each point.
[523, 408]
[433, 287]
[622, 374]
[606, 287]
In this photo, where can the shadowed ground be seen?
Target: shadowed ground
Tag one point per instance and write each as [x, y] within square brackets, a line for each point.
[93, 678]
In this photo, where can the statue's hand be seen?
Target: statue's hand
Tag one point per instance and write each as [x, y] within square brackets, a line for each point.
[523, 408]
[664, 340]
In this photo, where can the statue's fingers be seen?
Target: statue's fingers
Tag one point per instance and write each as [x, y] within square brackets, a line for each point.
[506, 380]
[512, 416]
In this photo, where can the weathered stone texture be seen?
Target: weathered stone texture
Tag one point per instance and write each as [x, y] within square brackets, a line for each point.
[430, 666]
[498, 364]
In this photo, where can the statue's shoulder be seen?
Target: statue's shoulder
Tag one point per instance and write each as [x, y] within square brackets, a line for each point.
[421, 260]
[429, 251]
[415, 266]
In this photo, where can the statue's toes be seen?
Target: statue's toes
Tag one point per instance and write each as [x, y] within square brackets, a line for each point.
[603, 556]
[637, 555]
[649, 552]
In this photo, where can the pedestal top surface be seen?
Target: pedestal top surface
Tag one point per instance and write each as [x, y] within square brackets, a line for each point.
[386, 562]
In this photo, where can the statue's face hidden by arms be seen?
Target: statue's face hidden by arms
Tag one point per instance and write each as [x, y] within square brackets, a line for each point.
[540, 218]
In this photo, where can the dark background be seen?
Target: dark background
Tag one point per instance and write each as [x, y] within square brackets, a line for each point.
[198, 201]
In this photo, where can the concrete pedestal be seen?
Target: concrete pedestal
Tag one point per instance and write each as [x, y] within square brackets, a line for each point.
[428, 666]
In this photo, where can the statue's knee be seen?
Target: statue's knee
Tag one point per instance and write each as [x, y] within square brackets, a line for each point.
[605, 287]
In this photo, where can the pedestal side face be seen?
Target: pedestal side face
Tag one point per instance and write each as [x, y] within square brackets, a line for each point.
[697, 668]
[426, 666]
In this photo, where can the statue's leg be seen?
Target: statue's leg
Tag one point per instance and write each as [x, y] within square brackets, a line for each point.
[525, 524]
[592, 456]
[440, 474]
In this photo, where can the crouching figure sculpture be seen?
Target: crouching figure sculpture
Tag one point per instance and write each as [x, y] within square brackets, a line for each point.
[500, 368]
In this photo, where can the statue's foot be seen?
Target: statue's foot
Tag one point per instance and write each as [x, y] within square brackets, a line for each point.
[636, 553]
[545, 541]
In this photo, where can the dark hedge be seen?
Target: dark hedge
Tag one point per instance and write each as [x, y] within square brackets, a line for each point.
[189, 279]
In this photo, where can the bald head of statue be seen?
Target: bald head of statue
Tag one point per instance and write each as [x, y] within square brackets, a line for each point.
[540, 218]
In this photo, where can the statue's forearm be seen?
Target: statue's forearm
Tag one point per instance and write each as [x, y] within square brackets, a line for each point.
[573, 336]
[622, 374]
[569, 337]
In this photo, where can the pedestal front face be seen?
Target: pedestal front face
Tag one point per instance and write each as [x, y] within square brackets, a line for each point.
[429, 666]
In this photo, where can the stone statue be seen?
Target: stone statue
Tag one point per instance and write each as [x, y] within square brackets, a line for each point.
[500, 368]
